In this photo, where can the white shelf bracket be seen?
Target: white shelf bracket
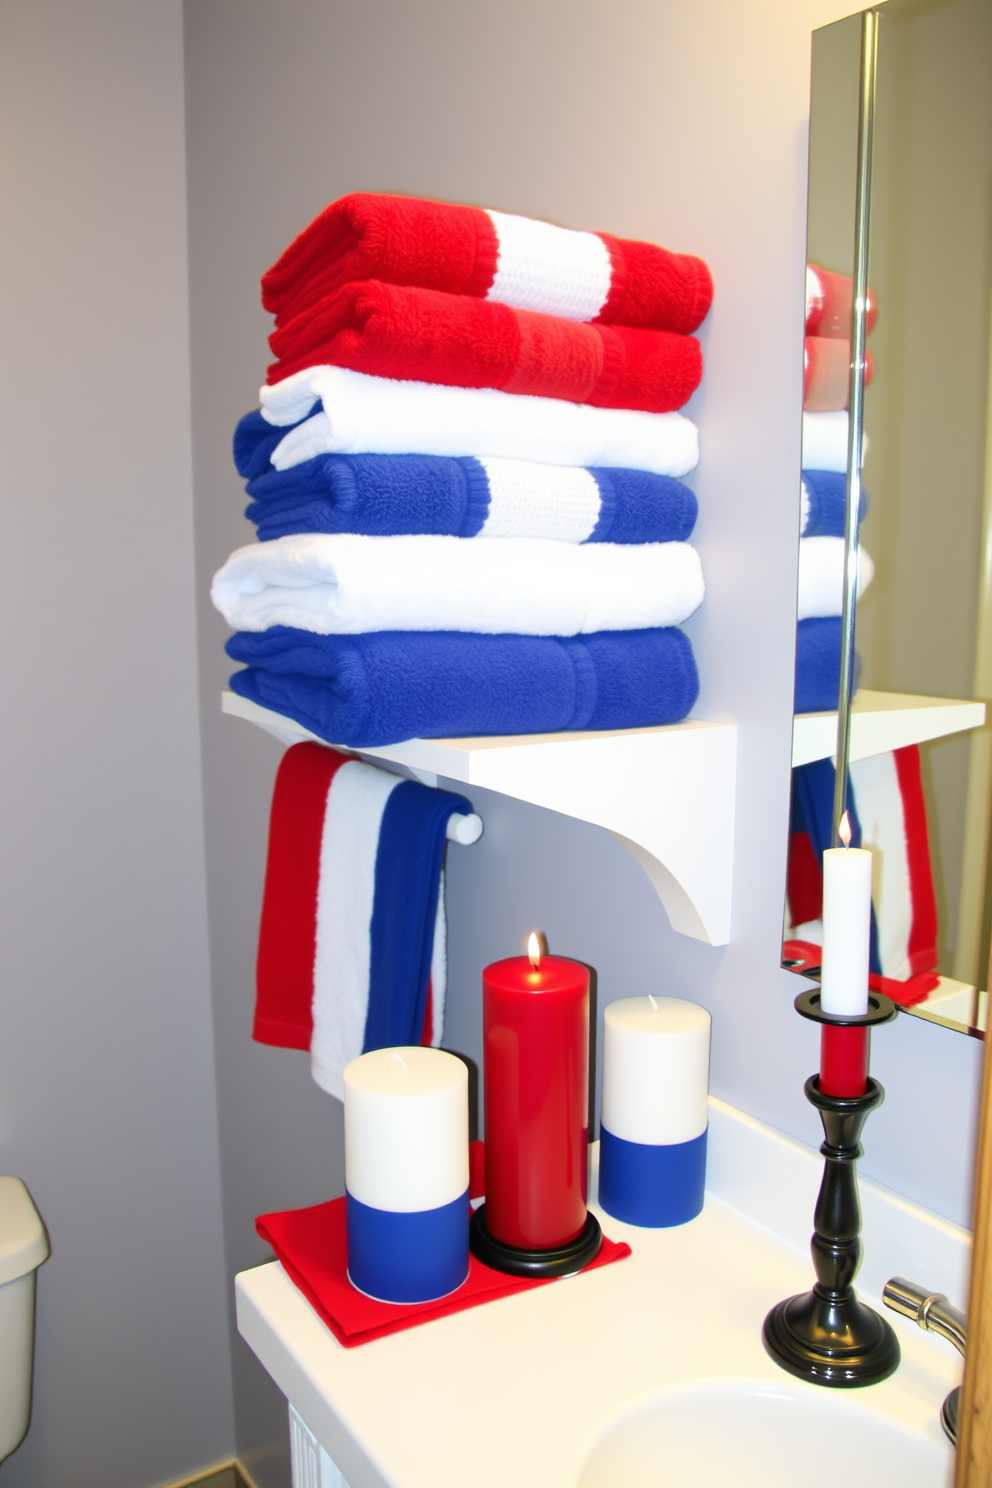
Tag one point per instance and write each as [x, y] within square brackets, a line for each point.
[668, 794]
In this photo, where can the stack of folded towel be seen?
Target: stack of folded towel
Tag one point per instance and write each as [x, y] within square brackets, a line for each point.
[447, 375]
[825, 435]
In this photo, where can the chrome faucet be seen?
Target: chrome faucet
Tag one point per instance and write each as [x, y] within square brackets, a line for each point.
[934, 1314]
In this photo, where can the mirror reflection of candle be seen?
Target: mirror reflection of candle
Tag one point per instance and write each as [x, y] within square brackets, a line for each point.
[846, 926]
[844, 977]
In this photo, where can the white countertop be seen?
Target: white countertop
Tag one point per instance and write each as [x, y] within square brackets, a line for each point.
[515, 1393]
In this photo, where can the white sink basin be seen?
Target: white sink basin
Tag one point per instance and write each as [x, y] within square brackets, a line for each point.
[740, 1433]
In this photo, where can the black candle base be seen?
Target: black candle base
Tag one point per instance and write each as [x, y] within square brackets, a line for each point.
[827, 1336]
[561, 1260]
[830, 1341]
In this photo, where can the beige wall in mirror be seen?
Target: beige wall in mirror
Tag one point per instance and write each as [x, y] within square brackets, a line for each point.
[921, 773]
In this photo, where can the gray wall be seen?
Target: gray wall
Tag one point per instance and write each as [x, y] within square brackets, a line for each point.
[107, 1103]
[681, 123]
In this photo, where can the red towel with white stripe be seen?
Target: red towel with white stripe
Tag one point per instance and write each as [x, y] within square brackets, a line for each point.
[488, 255]
[425, 335]
[351, 951]
[888, 797]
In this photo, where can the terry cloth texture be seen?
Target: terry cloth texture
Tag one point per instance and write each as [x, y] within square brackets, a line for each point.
[423, 335]
[507, 259]
[818, 665]
[827, 373]
[828, 304]
[821, 576]
[824, 503]
[342, 584]
[351, 941]
[390, 495]
[381, 688]
[889, 816]
[312, 1245]
[378, 415]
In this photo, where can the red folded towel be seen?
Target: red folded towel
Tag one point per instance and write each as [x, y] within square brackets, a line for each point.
[312, 1245]
[827, 373]
[488, 255]
[423, 335]
[828, 304]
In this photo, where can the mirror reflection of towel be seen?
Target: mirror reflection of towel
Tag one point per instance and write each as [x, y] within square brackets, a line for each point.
[888, 813]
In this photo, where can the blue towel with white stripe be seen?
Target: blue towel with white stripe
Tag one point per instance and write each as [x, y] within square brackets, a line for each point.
[386, 686]
[379, 917]
[393, 495]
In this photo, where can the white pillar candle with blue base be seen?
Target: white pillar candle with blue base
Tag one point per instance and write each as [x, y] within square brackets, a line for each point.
[406, 1173]
[652, 1144]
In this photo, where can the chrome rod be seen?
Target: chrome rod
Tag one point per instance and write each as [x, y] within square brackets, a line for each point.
[856, 397]
[931, 1310]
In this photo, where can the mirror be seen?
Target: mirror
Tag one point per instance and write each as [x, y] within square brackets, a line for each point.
[920, 752]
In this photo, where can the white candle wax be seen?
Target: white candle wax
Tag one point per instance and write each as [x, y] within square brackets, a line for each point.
[406, 1129]
[846, 930]
[656, 1059]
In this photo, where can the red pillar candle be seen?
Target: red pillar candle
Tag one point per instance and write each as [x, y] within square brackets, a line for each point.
[843, 1060]
[536, 1051]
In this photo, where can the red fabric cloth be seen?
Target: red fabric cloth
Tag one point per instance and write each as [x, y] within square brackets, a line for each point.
[312, 1245]
[442, 245]
[424, 335]
[827, 373]
[288, 927]
[804, 956]
[828, 312]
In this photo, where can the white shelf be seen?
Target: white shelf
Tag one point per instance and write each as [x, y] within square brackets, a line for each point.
[666, 793]
[881, 721]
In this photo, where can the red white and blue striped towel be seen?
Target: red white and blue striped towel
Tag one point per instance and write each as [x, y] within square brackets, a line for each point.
[351, 952]
[889, 817]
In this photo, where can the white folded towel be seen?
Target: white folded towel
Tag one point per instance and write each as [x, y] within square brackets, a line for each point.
[821, 576]
[341, 584]
[825, 441]
[380, 415]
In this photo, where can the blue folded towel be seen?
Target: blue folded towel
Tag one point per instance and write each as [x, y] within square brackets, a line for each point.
[825, 502]
[392, 495]
[386, 686]
[254, 440]
[818, 664]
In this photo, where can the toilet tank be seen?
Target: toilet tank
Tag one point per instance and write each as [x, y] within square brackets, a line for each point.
[23, 1247]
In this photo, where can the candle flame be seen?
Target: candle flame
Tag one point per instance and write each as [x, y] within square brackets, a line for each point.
[534, 950]
[844, 830]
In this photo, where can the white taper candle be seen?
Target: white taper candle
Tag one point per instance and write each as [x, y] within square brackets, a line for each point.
[846, 930]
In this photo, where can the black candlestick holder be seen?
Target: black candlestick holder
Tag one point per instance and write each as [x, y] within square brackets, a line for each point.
[827, 1335]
